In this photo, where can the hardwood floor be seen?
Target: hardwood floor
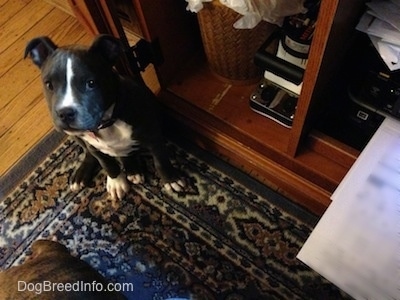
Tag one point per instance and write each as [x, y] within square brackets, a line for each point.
[24, 119]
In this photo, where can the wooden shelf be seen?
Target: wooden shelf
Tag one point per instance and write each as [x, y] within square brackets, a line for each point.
[229, 105]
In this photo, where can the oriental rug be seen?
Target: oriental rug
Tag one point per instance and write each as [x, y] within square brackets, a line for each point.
[226, 237]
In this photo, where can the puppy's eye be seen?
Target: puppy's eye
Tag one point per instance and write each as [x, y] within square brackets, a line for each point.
[49, 85]
[90, 84]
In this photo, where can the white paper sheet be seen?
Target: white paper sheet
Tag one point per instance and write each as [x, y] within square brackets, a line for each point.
[356, 244]
[386, 10]
[381, 23]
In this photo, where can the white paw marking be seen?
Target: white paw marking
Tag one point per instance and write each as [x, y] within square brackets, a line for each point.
[117, 187]
[136, 178]
[176, 186]
[76, 187]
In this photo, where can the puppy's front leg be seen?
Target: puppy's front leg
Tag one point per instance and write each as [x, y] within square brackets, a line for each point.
[117, 184]
[85, 172]
[117, 187]
[170, 177]
[132, 168]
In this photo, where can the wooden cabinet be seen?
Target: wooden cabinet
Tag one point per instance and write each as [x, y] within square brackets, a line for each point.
[304, 164]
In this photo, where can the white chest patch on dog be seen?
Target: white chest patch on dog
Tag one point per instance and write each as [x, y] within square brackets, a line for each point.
[115, 140]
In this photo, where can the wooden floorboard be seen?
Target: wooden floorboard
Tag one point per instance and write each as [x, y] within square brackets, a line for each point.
[13, 54]
[4, 2]
[22, 21]
[24, 119]
[10, 8]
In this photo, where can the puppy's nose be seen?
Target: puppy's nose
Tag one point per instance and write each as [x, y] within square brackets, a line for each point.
[67, 114]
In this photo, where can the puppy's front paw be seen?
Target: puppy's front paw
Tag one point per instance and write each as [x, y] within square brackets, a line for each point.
[76, 186]
[84, 174]
[136, 178]
[117, 187]
[79, 180]
[176, 186]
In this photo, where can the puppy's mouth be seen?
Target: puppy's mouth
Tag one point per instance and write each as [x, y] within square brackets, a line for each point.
[76, 128]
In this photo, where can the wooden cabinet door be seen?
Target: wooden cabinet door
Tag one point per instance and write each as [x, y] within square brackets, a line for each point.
[174, 28]
[164, 21]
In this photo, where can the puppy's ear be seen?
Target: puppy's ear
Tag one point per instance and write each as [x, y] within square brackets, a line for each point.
[39, 49]
[108, 46]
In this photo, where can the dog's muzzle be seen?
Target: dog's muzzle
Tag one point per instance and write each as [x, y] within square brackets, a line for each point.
[67, 115]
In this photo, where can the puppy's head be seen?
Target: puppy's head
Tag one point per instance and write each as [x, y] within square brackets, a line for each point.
[79, 82]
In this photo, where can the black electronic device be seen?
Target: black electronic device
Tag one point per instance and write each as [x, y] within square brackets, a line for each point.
[373, 85]
[360, 95]
[379, 91]
[277, 94]
[274, 102]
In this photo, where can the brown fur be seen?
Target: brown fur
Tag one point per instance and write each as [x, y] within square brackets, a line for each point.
[51, 261]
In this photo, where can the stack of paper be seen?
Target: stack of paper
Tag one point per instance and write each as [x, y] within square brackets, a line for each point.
[356, 244]
[382, 23]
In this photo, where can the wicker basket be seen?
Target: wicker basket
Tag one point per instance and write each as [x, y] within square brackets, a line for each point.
[230, 51]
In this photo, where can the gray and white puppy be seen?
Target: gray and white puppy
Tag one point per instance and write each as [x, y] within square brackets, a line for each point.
[112, 116]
